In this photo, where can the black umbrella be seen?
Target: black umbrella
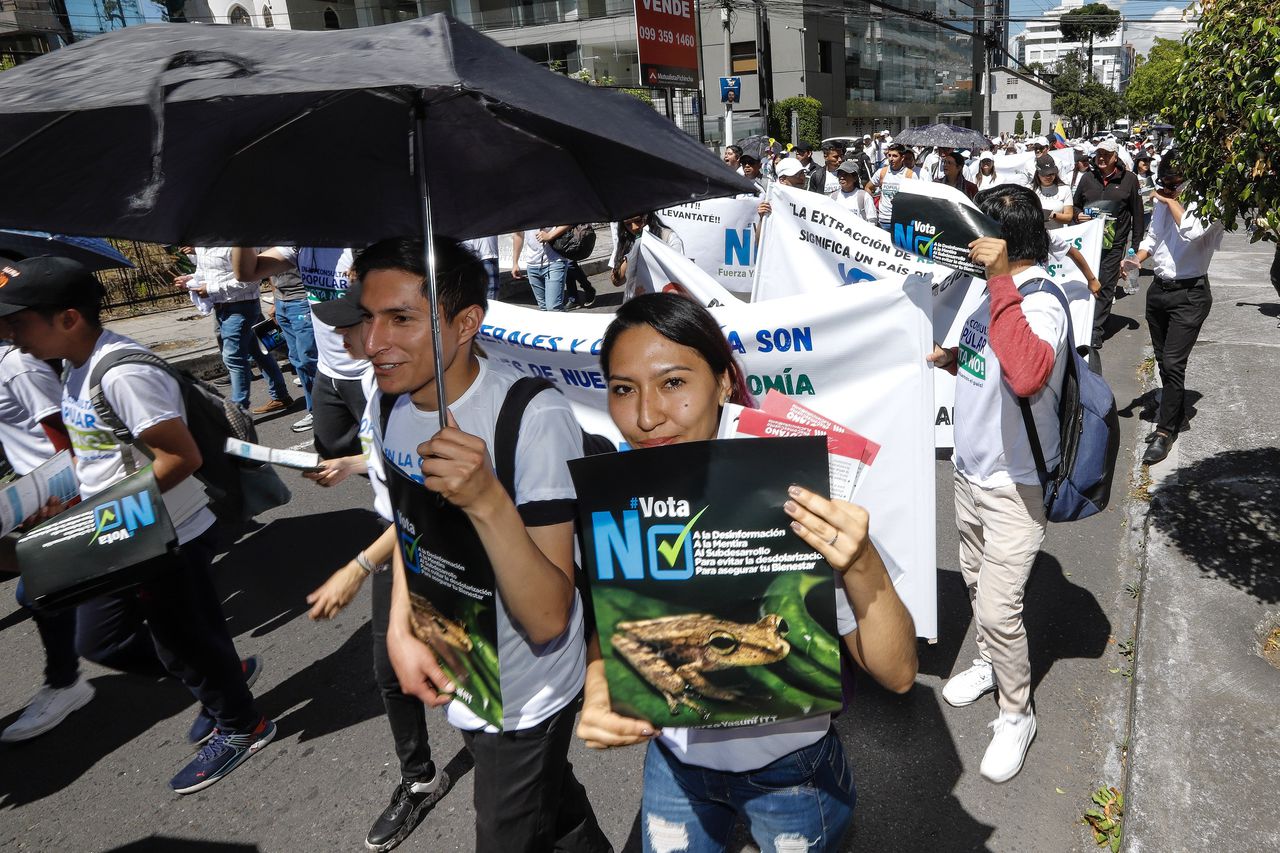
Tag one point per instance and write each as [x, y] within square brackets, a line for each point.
[94, 253]
[223, 135]
[946, 135]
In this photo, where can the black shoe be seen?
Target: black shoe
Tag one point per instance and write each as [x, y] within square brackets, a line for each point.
[588, 298]
[1158, 450]
[1151, 436]
[402, 815]
[571, 305]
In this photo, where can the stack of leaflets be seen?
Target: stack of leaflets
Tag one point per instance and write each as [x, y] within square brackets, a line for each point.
[55, 478]
[305, 460]
[849, 453]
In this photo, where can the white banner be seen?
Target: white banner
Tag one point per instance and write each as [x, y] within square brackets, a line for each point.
[1087, 237]
[854, 354]
[661, 269]
[718, 236]
[1016, 168]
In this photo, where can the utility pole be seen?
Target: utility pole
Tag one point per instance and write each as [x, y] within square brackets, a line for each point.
[977, 105]
[801, 31]
[764, 63]
[700, 99]
[726, 18]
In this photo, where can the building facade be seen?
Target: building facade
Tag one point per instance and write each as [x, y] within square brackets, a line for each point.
[1014, 93]
[1042, 42]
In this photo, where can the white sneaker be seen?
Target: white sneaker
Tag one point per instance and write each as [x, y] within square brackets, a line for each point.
[48, 708]
[297, 380]
[965, 688]
[304, 424]
[1008, 748]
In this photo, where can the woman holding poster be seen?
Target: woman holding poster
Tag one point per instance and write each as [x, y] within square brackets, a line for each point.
[670, 372]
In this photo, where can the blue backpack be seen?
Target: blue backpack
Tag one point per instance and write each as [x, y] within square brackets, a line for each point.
[1089, 429]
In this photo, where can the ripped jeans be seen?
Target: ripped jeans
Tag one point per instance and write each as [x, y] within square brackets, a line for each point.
[801, 803]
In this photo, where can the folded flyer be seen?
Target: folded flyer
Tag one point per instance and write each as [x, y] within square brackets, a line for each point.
[780, 405]
[451, 592]
[19, 500]
[711, 612]
[259, 453]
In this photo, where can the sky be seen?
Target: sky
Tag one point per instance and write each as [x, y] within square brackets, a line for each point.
[1142, 35]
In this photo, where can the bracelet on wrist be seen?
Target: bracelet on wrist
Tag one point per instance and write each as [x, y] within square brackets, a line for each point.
[363, 561]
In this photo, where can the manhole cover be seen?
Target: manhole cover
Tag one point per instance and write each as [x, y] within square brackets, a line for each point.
[1269, 640]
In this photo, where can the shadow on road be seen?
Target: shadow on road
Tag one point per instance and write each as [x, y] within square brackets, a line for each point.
[265, 578]
[1223, 513]
[168, 844]
[1147, 407]
[123, 707]
[1266, 309]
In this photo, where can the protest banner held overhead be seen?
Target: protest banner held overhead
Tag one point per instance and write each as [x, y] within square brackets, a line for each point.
[719, 236]
[710, 610]
[854, 354]
[453, 608]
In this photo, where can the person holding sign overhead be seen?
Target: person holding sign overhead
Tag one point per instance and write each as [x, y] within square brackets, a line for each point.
[490, 593]
[670, 372]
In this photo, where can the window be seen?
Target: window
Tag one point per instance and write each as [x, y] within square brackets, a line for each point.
[267, 20]
[238, 16]
[1012, 81]
[1012, 97]
[742, 55]
[826, 50]
[331, 20]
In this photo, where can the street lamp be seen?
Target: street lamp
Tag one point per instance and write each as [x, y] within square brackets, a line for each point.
[801, 31]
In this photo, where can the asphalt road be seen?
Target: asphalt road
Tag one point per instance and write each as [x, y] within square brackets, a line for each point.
[99, 782]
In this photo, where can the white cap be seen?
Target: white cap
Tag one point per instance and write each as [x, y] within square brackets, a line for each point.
[788, 167]
[1108, 145]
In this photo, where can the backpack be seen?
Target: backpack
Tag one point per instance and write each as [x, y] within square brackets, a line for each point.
[577, 243]
[238, 489]
[1089, 433]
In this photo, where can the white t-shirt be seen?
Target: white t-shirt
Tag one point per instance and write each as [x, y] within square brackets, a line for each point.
[484, 248]
[888, 182]
[737, 749]
[830, 183]
[534, 252]
[992, 448]
[326, 275]
[141, 396]
[1054, 197]
[859, 201]
[536, 681]
[29, 393]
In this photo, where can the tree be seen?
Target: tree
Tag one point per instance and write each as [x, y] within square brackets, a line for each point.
[1019, 125]
[1225, 110]
[1095, 20]
[1080, 98]
[809, 120]
[1036, 124]
[1153, 80]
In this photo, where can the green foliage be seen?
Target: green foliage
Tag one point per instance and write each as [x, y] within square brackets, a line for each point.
[1082, 100]
[1106, 818]
[810, 119]
[639, 95]
[1153, 80]
[1036, 124]
[1019, 124]
[1225, 110]
[1089, 22]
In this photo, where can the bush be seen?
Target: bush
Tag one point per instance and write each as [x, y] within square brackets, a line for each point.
[809, 124]
[1019, 125]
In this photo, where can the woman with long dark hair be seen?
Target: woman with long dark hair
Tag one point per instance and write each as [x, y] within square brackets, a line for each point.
[628, 235]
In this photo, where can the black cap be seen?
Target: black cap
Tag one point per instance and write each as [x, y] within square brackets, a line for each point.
[1082, 157]
[341, 312]
[45, 282]
[1046, 166]
[804, 146]
[749, 160]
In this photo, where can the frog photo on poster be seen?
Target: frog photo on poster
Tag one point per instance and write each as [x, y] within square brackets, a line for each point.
[451, 592]
[710, 611]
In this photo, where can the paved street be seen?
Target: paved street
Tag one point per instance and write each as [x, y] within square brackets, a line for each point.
[100, 781]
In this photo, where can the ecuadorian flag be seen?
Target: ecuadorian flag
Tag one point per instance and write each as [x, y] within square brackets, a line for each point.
[1059, 136]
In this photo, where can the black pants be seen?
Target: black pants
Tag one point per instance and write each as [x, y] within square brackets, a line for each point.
[573, 277]
[406, 715]
[337, 406]
[1175, 315]
[1275, 270]
[527, 799]
[1108, 275]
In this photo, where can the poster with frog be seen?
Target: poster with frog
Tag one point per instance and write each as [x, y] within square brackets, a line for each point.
[710, 611]
[451, 592]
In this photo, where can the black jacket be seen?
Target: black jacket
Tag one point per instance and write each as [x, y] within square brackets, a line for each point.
[1121, 195]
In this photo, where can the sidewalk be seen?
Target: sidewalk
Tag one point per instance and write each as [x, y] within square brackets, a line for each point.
[187, 339]
[1205, 744]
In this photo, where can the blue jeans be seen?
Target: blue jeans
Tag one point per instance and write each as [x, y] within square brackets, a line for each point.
[293, 316]
[240, 348]
[547, 281]
[802, 801]
[491, 270]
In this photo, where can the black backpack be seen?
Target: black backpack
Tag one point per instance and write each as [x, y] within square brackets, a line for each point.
[238, 488]
[577, 243]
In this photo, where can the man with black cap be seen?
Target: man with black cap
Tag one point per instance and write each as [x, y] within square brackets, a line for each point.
[1112, 192]
[50, 309]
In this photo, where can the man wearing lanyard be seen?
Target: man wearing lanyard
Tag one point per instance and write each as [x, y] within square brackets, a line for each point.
[1181, 245]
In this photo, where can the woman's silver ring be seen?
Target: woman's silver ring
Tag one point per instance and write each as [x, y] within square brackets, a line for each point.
[834, 537]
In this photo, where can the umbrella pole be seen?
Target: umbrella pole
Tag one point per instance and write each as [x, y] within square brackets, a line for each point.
[428, 247]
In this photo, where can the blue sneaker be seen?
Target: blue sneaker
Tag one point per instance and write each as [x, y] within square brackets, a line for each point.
[222, 754]
[204, 724]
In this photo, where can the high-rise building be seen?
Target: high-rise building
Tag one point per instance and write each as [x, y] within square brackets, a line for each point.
[1043, 42]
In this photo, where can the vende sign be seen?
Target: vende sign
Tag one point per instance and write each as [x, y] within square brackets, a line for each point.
[667, 45]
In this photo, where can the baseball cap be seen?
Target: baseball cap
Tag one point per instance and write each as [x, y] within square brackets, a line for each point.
[804, 146]
[45, 281]
[1108, 145]
[1040, 141]
[849, 167]
[749, 160]
[1046, 166]
[342, 312]
[788, 167]
[1082, 157]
